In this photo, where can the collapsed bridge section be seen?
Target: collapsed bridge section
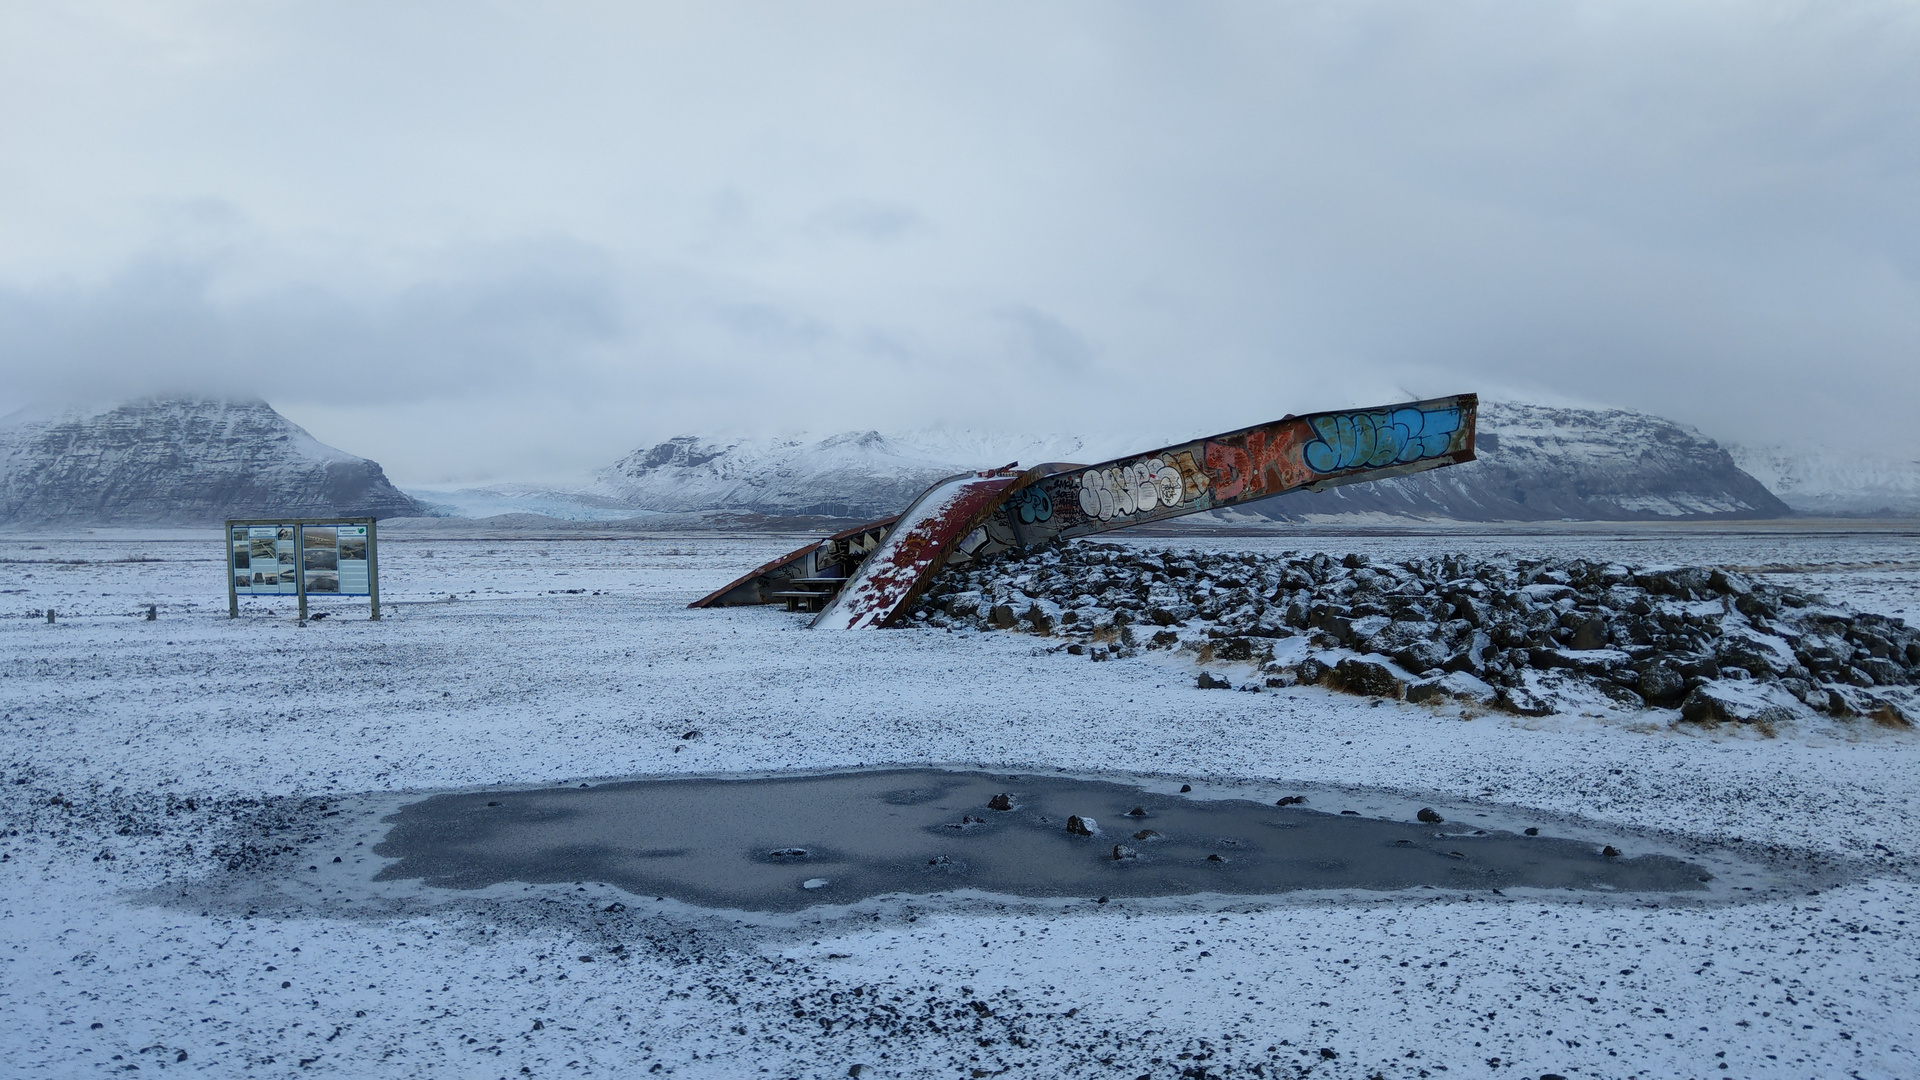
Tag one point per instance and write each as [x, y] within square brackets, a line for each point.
[868, 576]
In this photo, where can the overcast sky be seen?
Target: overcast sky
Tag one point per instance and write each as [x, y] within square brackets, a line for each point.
[514, 240]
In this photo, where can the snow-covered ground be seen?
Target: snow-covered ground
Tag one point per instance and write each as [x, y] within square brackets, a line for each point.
[142, 759]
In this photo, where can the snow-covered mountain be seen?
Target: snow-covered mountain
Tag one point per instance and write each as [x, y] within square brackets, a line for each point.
[857, 474]
[1537, 463]
[179, 460]
[1825, 480]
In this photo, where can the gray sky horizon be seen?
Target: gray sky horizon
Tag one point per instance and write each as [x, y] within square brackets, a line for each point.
[482, 242]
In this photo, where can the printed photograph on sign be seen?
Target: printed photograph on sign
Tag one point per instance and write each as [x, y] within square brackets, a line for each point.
[286, 533]
[320, 558]
[322, 582]
[353, 548]
[262, 549]
[320, 536]
[242, 583]
[284, 558]
[242, 559]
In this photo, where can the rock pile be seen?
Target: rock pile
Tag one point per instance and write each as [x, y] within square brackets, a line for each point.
[1525, 636]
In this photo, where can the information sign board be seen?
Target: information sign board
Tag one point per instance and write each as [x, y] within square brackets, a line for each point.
[302, 558]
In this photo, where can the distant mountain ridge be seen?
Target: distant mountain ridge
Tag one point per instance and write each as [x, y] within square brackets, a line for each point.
[180, 460]
[1536, 463]
[195, 460]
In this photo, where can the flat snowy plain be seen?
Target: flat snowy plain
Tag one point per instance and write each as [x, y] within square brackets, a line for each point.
[175, 793]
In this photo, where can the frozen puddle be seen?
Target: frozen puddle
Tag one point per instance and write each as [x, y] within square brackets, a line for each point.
[788, 842]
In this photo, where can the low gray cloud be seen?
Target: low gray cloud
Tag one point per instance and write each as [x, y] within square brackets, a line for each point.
[167, 324]
[600, 225]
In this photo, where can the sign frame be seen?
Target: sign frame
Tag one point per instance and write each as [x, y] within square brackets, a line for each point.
[299, 526]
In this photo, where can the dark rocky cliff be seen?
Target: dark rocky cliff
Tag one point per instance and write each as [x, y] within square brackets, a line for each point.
[180, 461]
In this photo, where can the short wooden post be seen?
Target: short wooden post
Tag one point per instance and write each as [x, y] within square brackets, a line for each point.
[300, 567]
[233, 597]
[373, 566]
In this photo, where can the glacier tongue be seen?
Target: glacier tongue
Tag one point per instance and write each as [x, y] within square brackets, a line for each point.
[1826, 480]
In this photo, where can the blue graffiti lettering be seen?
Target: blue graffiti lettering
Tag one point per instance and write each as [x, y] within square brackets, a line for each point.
[1370, 440]
[1032, 504]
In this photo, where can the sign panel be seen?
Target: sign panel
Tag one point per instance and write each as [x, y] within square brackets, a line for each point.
[335, 559]
[263, 560]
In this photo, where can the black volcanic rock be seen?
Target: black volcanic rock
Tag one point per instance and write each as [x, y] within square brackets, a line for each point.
[1536, 463]
[180, 461]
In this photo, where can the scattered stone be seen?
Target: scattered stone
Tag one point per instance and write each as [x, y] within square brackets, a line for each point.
[1429, 815]
[1080, 826]
[1184, 788]
[1610, 851]
[153, 612]
[1002, 801]
[1138, 811]
[1216, 858]
[1532, 830]
[1648, 636]
[1146, 834]
[1290, 800]
[691, 735]
[1209, 681]
[1121, 853]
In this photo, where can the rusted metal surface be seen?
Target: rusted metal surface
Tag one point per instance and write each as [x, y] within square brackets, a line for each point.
[833, 557]
[905, 563]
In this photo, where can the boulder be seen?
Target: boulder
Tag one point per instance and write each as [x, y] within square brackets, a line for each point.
[1368, 678]
[1738, 702]
[1590, 634]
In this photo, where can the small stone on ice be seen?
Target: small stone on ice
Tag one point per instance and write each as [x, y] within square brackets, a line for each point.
[814, 883]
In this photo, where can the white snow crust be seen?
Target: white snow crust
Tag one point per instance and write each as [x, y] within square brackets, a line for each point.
[541, 661]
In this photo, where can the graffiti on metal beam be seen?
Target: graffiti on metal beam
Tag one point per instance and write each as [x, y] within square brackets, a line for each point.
[865, 576]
